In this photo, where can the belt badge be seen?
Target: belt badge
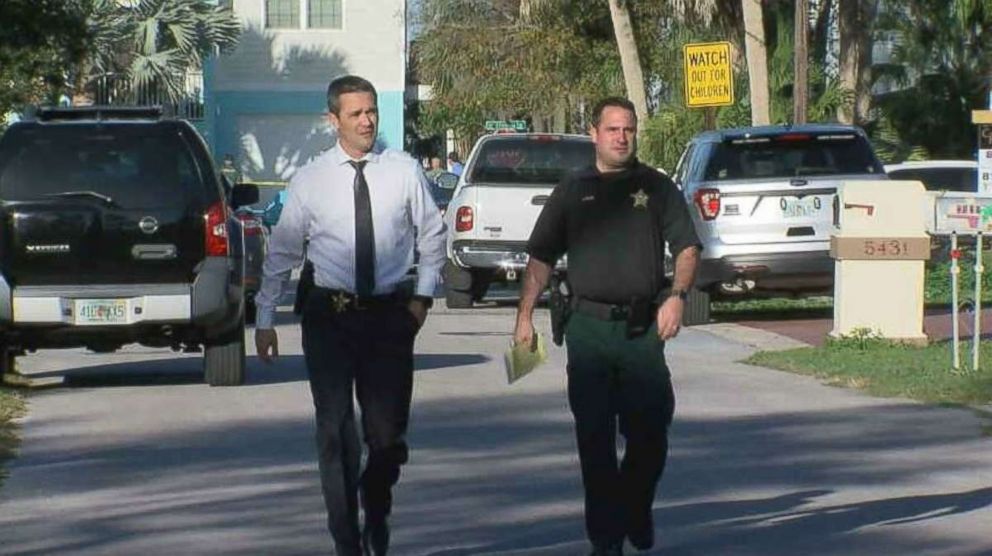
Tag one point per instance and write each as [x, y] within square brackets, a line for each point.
[640, 198]
[340, 301]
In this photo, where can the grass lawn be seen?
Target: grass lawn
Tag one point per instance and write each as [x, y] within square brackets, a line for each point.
[11, 407]
[885, 369]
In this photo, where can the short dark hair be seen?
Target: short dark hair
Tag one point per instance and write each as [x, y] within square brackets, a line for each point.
[617, 102]
[344, 85]
[453, 155]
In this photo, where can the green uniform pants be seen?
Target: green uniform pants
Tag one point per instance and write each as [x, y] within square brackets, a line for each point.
[613, 380]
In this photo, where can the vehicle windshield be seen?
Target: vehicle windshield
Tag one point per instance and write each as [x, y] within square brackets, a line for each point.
[940, 179]
[541, 160]
[133, 167]
[790, 156]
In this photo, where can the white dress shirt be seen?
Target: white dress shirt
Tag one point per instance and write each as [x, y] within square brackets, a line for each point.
[320, 204]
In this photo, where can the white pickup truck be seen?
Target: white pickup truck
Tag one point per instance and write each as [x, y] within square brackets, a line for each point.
[507, 180]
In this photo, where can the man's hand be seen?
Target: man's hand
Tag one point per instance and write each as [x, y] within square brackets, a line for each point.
[523, 334]
[670, 318]
[266, 344]
[419, 311]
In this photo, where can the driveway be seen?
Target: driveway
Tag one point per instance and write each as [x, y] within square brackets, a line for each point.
[136, 456]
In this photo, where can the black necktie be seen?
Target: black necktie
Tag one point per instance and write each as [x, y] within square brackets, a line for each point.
[364, 233]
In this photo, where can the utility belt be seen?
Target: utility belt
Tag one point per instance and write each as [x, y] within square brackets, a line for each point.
[639, 314]
[341, 301]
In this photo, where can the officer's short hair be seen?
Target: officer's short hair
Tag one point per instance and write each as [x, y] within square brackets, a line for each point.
[344, 85]
[617, 102]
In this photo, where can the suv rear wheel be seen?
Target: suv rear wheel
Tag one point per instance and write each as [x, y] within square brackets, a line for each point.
[697, 308]
[224, 358]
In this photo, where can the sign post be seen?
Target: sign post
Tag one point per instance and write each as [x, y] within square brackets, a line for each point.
[983, 118]
[709, 79]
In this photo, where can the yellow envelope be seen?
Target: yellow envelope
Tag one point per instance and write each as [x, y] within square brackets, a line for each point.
[521, 359]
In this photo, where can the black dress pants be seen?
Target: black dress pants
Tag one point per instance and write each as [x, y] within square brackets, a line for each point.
[616, 382]
[368, 354]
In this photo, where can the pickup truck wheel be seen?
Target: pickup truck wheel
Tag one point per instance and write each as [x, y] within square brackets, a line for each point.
[457, 299]
[457, 286]
[224, 358]
[697, 308]
[481, 279]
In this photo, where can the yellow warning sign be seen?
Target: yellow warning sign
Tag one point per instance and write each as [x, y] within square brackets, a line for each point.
[709, 80]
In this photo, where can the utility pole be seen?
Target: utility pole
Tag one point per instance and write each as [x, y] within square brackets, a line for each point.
[800, 87]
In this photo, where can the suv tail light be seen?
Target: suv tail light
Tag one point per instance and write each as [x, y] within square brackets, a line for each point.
[708, 203]
[464, 219]
[251, 224]
[216, 230]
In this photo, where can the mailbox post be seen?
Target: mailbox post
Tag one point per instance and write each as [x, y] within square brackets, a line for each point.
[880, 250]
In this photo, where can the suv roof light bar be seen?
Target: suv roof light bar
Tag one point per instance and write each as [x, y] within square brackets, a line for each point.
[102, 113]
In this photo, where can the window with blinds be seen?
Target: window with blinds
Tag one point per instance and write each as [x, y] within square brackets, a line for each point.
[324, 14]
[282, 14]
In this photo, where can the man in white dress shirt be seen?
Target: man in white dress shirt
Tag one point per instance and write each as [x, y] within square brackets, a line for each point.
[364, 209]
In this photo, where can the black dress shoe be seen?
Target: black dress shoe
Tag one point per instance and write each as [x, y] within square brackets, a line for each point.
[375, 537]
[642, 536]
[608, 550]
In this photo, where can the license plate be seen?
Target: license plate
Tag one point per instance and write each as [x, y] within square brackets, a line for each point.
[798, 208]
[100, 311]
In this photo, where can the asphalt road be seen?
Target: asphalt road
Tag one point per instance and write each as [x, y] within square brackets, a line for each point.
[134, 455]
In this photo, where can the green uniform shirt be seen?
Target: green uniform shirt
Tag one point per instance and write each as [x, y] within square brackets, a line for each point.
[614, 228]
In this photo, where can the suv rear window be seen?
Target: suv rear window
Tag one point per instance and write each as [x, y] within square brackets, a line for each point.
[137, 167]
[530, 160]
[791, 155]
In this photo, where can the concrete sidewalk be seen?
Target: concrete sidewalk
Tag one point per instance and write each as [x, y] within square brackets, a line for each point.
[762, 462]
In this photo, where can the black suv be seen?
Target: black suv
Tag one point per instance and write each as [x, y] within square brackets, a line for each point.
[114, 229]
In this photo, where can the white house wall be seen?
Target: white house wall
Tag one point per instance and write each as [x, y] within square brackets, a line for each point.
[266, 99]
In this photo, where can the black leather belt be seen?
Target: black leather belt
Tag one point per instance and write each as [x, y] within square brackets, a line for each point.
[601, 311]
[341, 301]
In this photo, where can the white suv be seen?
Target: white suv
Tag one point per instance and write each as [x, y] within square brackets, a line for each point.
[507, 180]
[762, 200]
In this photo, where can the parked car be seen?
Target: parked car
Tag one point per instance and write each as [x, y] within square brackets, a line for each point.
[117, 230]
[507, 180]
[256, 242]
[762, 201]
[938, 175]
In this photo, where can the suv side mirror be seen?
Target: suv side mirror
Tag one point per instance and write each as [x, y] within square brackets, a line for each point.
[244, 194]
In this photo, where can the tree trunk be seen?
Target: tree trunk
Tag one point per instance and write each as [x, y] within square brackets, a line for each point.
[630, 60]
[821, 30]
[757, 61]
[855, 22]
[800, 86]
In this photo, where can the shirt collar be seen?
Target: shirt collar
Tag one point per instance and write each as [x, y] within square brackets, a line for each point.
[341, 158]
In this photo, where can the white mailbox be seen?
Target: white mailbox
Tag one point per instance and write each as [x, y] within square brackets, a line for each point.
[880, 249]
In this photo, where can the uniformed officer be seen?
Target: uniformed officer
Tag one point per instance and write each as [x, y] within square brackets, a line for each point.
[363, 209]
[613, 220]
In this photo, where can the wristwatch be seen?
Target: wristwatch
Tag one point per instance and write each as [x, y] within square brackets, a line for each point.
[679, 293]
[427, 300]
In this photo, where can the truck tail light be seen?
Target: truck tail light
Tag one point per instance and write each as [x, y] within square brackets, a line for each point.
[251, 224]
[215, 222]
[708, 203]
[464, 219]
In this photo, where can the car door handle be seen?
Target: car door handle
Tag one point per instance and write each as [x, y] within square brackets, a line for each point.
[539, 199]
[154, 252]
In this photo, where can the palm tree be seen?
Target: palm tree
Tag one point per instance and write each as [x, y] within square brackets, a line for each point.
[855, 24]
[153, 43]
[630, 60]
[757, 61]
